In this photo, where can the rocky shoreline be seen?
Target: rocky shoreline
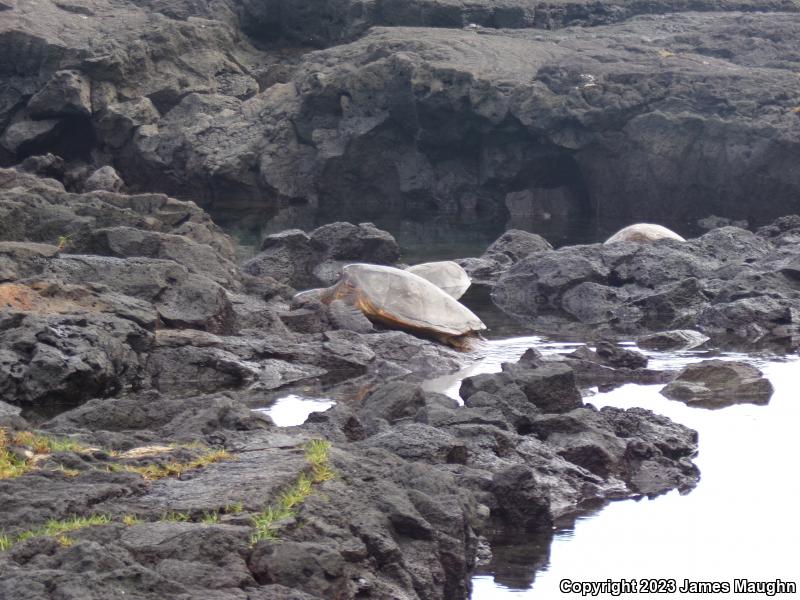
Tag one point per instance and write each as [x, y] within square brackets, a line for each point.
[136, 347]
[136, 337]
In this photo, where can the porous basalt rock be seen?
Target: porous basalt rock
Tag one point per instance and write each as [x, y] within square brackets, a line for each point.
[302, 131]
[718, 383]
[728, 282]
[105, 179]
[312, 260]
[505, 251]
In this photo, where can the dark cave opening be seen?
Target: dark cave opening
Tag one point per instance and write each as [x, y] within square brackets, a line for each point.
[549, 196]
[72, 138]
[467, 192]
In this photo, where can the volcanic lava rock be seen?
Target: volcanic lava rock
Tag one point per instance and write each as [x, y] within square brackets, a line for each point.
[726, 282]
[672, 340]
[51, 359]
[40, 210]
[182, 299]
[505, 251]
[334, 21]
[360, 135]
[67, 93]
[559, 126]
[516, 245]
[312, 260]
[345, 241]
[718, 383]
[106, 179]
[129, 242]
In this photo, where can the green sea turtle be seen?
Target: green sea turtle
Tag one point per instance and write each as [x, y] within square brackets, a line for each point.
[403, 300]
[444, 274]
[643, 233]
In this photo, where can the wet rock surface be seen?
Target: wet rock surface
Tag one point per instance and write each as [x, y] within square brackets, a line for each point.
[418, 481]
[141, 291]
[672, 340]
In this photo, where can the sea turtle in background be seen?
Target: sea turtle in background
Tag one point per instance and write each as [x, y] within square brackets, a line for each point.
[403, 300]
[445, 274]
[642, 233]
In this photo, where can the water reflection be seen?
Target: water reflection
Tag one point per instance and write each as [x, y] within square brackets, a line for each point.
[430, 237]
[740, 522]
[493, 354]
[294, 410]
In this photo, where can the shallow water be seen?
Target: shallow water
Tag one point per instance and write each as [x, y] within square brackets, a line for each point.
[740, 522]
[294, 410]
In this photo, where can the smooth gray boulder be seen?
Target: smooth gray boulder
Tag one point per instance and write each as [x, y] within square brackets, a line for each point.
[106, 179]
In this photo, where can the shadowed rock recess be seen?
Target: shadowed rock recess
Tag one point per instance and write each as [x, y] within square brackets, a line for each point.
[136, 337]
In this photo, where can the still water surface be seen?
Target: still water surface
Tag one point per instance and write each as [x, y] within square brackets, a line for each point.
[740, 522]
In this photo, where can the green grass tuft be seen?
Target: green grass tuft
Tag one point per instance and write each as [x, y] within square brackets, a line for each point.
[155, 471]
[264, 522]
[317, 455]
[210, 518]
[12, 465]
[56, 529]
[175, 517]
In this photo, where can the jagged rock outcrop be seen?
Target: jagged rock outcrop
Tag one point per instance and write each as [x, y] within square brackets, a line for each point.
[505, 251]
[728, 282]
[666, 118]
[431, 128]
[141, 292]
[129, 312]
[311, 260]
